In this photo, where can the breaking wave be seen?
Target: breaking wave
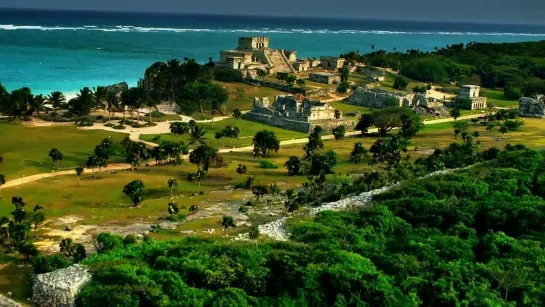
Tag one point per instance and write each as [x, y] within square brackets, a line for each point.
[128, 28]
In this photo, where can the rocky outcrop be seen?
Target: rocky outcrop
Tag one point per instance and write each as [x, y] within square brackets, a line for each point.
[59, 288]
[532, 106]
[117, 89]
[6, 302]
[276, 229]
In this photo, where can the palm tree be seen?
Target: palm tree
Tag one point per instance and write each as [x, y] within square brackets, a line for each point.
[226, 222]
[236, 113]
[37, 217]
[100, 96]
[293, 165]
[37, 104]
[79, 172]
[171, 184]
[173, 208]
[242, 169]
[196, 136]
[67, 247]
[112, 103]
[57, 101]
[275, 190]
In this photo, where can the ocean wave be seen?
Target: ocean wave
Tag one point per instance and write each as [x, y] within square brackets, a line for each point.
[130, 28]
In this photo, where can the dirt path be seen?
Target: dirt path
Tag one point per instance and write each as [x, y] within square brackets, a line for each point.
[32, 178]
[135, 136]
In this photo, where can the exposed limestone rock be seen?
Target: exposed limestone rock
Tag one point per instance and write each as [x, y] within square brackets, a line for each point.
[59, 288]
[276, 229]
[532, 106]
[6, 302]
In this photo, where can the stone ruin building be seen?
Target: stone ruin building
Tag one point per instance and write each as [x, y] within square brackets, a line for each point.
[253, 53]
[471, 93]
[532, 106]
[295, 112]
[332, 62]
[379, 98]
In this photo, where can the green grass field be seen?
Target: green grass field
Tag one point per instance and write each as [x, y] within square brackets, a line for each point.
[247, 130]
[345, 107]
[25, 149]
[241, 96]
[496, 98]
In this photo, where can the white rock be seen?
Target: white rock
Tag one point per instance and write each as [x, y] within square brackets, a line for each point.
[60, 287]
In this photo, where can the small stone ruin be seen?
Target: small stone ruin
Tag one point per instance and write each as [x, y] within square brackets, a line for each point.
[59, 288]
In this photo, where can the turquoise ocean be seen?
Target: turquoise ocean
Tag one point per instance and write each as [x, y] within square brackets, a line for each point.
[60, 50]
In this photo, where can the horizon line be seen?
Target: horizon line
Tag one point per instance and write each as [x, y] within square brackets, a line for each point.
[352, 18]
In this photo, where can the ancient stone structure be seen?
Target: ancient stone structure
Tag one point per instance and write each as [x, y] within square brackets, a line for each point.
[254, 53]
[295, 112]
[7, 302]
[301, 66]
[372, 74]
[59, 288]
[469, 99]
[324, 77]
[532, 106]
[379, 98]
[331, 62]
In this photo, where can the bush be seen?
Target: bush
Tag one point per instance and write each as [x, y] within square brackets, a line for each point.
[425, 69]
[243, 209]
[84, 122]
[400, 82]
[109, 125]
[45, 264]
[119, 127]
[156, 138]
[266, 164]
[343, 87]
[179, 217]
[99, 117]
[226, 74]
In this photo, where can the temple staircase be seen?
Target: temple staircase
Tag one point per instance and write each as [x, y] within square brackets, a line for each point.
[278, 61]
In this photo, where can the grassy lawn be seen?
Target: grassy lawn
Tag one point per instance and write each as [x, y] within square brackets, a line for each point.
[25, 149]
[15, 279]
[247, 130]
[242, 95]
[345, 107]
[497, 98]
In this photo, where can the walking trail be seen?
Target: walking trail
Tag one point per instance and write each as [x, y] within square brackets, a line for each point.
[163, 127]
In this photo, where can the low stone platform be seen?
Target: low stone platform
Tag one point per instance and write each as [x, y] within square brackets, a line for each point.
[59, 288]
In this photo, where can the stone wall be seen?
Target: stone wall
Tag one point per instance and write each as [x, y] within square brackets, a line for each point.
[59, 288]
[7, 302]
[300, 126]
[532, 107]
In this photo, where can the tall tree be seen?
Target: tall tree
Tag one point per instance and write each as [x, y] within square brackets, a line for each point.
[203, 155]
[83, 103]
[136, 191]
[56, 156]
[57, 101]
[171, 184]
[358, 152]
[293, 165]
[227, 222]
[264, 141]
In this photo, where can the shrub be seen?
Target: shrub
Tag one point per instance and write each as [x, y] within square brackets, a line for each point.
[243, 209]
[400, 82]
[266, 164]
[109, 125]
[156, 138]
[343, 87]
[226, 74]
[178, 217]
[119, 127]
[84, 122]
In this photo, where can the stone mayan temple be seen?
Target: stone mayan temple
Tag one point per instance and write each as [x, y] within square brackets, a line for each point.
[532, 106]
[295, 112]
[254, 53]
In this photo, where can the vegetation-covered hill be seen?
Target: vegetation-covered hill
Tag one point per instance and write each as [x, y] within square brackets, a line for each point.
[470, 238]
[517, 67]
